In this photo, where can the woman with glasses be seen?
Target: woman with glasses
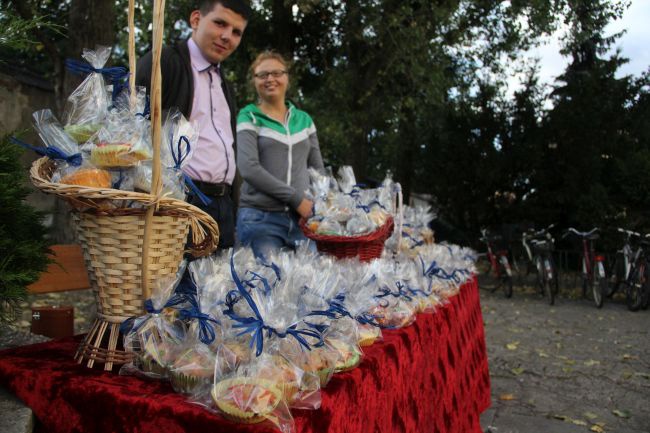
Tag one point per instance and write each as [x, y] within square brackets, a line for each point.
[276, 144]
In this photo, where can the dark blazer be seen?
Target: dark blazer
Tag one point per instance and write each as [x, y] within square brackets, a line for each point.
[178, 88]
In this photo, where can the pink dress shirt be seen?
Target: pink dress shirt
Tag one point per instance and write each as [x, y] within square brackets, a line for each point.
[213, 159]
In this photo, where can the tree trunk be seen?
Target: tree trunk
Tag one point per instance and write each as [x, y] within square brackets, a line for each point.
[91, 23]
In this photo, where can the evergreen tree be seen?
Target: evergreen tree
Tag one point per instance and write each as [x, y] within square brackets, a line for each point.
[23, 247]
[583, 129]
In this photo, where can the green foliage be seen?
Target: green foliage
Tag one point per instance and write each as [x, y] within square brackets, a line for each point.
[418, 88]
[15, 32]
[23, 247]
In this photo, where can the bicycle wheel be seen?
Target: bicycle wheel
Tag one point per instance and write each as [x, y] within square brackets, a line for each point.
[549, 291]
[556, 277]
[586, 281]
[599, 287]
[507, 286]
[617, 275]
[539, 268]
[635, 286]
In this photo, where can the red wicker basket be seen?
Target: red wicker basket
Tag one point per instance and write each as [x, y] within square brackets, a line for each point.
[366, 247]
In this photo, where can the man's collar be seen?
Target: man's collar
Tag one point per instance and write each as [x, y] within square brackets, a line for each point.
[198, 60]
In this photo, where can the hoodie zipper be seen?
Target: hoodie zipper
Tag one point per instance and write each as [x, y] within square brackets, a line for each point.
[290, 144]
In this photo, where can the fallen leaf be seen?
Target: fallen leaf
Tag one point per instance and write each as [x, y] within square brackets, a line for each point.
[560, 417]
[507, 397]
[596, 428]
[627, 374]
[512, 346]
[567, 369]
[590, 415]
[621, 413]
[643, 375]
[627, 357]
[542, 354]
[570, 362]
[517, 371]
[592, 362]
[578, 422]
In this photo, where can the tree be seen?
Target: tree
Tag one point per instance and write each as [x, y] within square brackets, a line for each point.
[583, 130]
[23, 246]
[88, 23]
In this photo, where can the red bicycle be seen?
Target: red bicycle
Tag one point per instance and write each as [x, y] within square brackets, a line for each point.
[499, 264]
[594, 278]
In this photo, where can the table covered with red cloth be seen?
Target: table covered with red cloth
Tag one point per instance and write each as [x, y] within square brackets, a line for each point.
[429, 377]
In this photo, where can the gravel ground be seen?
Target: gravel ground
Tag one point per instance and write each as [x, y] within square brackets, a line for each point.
[566, 368]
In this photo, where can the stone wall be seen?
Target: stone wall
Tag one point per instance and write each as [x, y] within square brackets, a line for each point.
[20, 95]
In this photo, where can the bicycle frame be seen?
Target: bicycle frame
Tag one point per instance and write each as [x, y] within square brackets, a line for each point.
[496, 258]
[499, 263]
[539, 249]
[589, 257]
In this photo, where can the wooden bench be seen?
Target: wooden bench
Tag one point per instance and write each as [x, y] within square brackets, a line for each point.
[67, 272]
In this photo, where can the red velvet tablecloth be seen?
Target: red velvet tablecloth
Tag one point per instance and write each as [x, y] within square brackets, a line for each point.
[429, 377]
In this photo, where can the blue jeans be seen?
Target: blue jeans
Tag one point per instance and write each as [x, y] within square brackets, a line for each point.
[268, 231]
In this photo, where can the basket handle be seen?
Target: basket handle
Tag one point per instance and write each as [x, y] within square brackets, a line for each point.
[399, 213]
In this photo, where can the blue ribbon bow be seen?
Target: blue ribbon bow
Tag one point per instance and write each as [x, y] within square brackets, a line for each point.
[256, 326]
[51, 152]
[127, 325]
[206, 329]
[117, 74]
[400, 293]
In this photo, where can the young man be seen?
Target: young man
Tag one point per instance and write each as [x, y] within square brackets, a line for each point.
[194, 82]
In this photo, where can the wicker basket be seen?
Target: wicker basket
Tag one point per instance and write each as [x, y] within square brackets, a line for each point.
[113, 243]
[366, 247]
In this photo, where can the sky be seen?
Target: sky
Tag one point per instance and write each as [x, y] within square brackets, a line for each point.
[635, 45]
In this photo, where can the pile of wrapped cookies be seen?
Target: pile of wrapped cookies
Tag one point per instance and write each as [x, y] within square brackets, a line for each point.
[250, 339]
[104, 140]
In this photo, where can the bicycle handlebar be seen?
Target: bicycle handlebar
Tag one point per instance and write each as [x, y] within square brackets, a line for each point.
[531, 234]
[580, 234]
[629, 233]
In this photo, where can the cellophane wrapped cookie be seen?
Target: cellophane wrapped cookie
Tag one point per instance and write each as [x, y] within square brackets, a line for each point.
[444, 268]
[248, 396]
[359, 299]
[88, 104]
[69, 170]
[156, 337]
[342, 208]
[416, 231]
[191, 370]
[270, 300]
[179, 138]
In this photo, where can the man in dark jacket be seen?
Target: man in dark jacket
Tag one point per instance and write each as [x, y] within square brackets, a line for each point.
[194, 82]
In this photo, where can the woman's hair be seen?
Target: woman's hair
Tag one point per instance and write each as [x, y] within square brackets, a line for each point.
[266, 55]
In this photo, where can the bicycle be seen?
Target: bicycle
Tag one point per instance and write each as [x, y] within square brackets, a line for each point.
[594, 277]
[632, 270]
[539, 247]
[499, 262]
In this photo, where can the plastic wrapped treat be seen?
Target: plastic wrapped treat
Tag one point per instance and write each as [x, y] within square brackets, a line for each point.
[71, 167]
[156, 337]
[179, 137]
[88, 104]
[248, 397]
[192, 369]
[124, 141]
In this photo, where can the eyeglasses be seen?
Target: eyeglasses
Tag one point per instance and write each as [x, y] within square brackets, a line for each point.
[264, 75]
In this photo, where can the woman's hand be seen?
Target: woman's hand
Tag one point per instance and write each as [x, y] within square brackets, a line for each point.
[305, 208]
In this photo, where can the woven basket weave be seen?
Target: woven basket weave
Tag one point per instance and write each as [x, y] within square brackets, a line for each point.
[365, 247]
[113, 244]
